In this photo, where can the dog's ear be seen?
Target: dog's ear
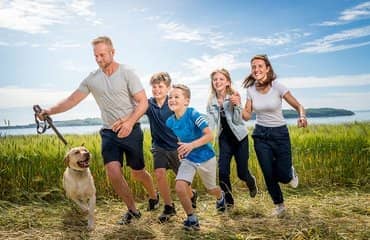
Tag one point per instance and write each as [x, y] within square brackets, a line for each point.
[66, 160]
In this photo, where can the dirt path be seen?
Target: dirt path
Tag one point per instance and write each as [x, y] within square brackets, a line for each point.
[312, 214]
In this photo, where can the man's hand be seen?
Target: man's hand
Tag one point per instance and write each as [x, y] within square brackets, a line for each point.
[122, 127]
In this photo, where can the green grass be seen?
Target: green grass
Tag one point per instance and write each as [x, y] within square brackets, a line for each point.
[322, 155]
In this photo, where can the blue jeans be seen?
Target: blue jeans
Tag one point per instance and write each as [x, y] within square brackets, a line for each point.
[273, 150]
[229, 146]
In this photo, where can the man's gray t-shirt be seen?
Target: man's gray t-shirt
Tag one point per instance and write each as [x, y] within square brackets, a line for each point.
[267, 106]
[113, 94]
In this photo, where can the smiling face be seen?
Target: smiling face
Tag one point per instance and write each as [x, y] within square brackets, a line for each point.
[160, 91]
[78, 158]
[103, 55]
[220, 83]
[178, 101]
[259, 70]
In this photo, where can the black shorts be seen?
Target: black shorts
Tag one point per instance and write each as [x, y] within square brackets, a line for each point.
[113, 147]
[165, 159]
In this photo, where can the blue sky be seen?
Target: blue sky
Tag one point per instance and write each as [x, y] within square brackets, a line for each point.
[320, 49]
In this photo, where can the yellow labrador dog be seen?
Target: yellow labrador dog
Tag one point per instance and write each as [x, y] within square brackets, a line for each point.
[79, 183]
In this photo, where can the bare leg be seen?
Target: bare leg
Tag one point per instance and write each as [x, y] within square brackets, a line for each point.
[144, 177]
[182, 188]
[163, 186]
[119, 184]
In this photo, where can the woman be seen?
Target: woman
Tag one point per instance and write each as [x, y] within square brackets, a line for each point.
[225, 113]
[271, 136]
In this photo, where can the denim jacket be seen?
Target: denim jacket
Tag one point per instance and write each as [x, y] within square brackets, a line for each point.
[233, 117]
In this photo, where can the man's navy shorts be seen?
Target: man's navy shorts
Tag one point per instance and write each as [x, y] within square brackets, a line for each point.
[113, 147]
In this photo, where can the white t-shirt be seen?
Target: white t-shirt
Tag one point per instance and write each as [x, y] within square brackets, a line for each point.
[113, 94]
[268, 106]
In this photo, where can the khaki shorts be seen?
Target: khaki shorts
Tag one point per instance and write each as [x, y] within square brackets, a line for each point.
[206, 171]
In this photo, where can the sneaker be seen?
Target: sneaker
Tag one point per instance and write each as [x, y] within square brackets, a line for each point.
[194, 199]
[128, 217]
[221, 204]
[191, 225]
[168, 212]
[153, 203]
[253, 189]
[229, 199]
[294, 182]
[278, 211]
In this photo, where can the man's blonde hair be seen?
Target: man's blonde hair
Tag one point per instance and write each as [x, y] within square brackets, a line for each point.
[103, 39]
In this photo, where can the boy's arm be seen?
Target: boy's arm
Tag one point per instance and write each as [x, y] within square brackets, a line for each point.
[185, 148]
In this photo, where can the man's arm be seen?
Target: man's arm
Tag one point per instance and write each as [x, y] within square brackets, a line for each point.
[64, 105]
[124, 126]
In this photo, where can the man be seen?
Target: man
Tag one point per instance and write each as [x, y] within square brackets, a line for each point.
[122, 101]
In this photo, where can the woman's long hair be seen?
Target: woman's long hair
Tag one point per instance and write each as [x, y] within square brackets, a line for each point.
[271, 76]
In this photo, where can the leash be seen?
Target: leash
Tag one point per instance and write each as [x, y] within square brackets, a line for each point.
[42, 126]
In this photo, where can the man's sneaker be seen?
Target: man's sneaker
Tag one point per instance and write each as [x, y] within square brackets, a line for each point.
[168, 212]
[253, 189]
[278, 211]
[153, 203]
[128, 217]
[194, 199]
[191, 225]
[221, 203]
[294, 182]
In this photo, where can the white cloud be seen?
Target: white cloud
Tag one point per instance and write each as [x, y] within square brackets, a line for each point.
[180, 32]
[37, 16]
[219, 40]
[361, 11]
[199, 68]
[331, 81]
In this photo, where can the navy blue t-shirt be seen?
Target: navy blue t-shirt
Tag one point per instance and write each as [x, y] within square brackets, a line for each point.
[162, 136]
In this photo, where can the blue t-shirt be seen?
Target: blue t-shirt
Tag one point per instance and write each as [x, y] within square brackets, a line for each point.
[162, 136]
[188, 128]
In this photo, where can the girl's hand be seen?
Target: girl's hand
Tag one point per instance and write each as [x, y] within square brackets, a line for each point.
[235, 99]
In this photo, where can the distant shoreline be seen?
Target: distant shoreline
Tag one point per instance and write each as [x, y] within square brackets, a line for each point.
[310, 113]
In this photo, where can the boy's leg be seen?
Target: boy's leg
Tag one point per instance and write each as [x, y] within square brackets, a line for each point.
[184, 178]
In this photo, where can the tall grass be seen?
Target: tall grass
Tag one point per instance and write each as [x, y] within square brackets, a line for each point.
[322, 154]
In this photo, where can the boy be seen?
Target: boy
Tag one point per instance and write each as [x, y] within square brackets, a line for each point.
[195, 152]
[164, 142]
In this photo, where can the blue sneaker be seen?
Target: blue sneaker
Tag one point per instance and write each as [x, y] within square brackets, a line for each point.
[221, 204]
[191, 225]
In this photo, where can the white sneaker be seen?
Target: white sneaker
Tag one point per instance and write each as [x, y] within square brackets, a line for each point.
[294, 182]
[278, 211]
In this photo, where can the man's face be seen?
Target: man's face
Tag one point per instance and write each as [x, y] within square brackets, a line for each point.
[103, 55]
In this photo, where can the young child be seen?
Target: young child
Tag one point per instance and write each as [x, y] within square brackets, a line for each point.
[225, 113]
[195, 152]
[164, 142]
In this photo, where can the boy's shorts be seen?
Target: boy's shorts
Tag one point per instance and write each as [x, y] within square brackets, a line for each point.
[165, 159]
[206, 170]
[113, 147]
